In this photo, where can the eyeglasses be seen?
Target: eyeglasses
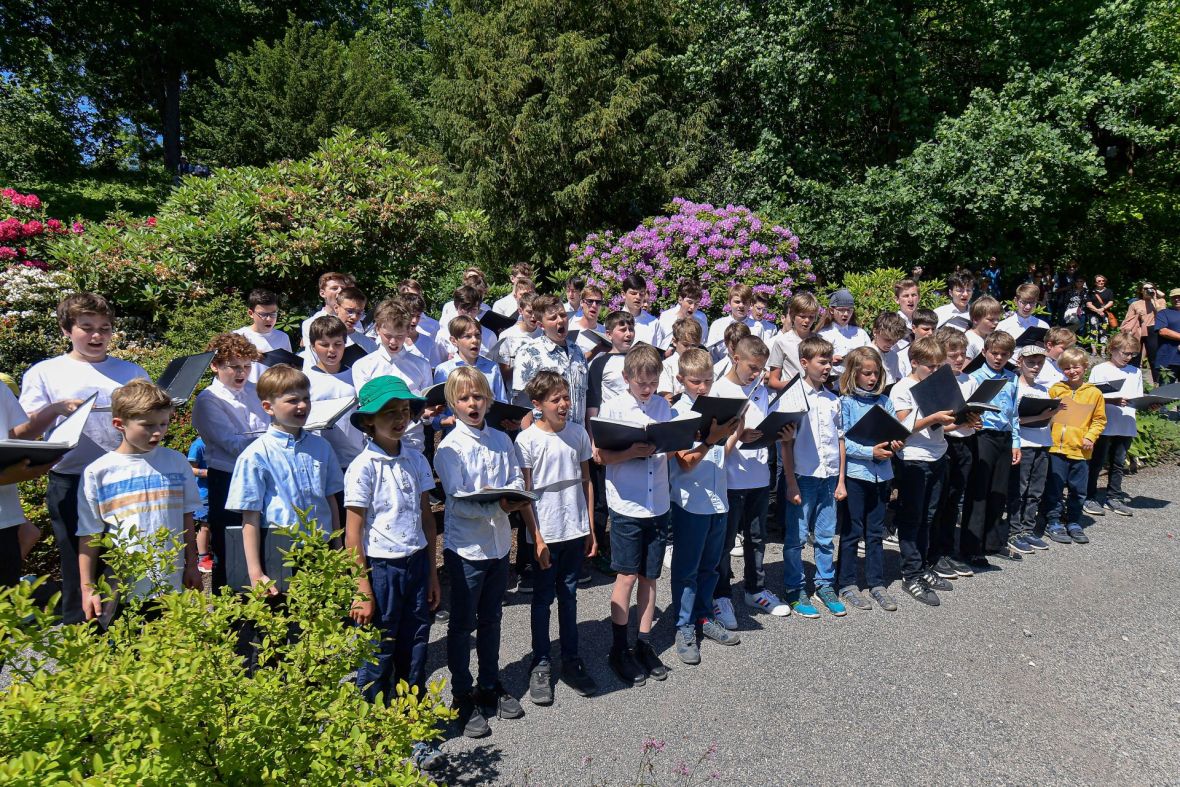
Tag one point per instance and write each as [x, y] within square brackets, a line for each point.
[266, 315]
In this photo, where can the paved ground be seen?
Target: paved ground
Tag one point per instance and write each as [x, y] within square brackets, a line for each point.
[1063, 669]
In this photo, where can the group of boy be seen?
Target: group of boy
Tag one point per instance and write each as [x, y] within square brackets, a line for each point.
[372, 474]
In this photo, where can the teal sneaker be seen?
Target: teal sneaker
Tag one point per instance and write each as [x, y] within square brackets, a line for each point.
[834, 605]
[800, 604]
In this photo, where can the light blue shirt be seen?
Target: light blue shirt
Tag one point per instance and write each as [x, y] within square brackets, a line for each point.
[280, 473]
[858, 459]
[1005, 420]
[702, 490]
[490, 370]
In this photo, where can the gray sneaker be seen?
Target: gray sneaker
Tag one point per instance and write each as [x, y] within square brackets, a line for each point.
[852, 597]
[1093, 508]
[883, 599]
[540, 687]
[718, 633]
[686, 645]
[1119, 507]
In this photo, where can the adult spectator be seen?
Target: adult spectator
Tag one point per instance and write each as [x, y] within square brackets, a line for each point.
[1063, 291]
[1140, 323]
[1168, 324]
[1099, 307]
[990, 277]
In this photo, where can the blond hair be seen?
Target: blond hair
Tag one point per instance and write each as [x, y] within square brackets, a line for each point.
[279, 380]
[139, 398]
[463, 379]
[695, 361]
[854, 362]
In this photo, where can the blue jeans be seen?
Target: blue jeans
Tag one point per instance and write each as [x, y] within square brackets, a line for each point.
[559, 581]
[402, 619]
[477, 599]
[700, 540]
[1063, 472]
[817, 512]
[747, 515]
[862, 516]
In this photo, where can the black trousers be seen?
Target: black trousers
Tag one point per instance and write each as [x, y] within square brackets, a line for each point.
[598, 483]
[10, 562]
[960, 458]
[985, 528]
[919, 488]
[61, 498]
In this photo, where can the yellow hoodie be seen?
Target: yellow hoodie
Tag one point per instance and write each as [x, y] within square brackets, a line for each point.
[1067, 440]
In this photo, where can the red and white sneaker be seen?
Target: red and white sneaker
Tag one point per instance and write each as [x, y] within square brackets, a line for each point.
[205, 563]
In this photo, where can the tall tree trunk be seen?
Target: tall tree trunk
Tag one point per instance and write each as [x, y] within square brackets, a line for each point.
[171, 119]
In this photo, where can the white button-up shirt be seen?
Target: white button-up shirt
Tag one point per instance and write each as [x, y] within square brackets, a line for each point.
[468, 460]
[638, 487]
[817, 445]
[390, 489]
[228, 421]
[414, 371]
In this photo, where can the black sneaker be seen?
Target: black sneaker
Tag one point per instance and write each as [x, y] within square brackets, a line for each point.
[1011, 555]
[498, 699]
[624, 664]
[649, 661]
[980, 563]
[944, 569]
[961, 568]
[920, 591]
[584, 576]
[526, 583]
[540, 689]
[470, 720]
[574, 675]
[936, 582]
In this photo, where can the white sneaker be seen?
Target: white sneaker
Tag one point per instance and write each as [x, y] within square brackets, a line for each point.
[891, 539]
[723, 611]
[738, 550]
[768, 602]
[668, 557]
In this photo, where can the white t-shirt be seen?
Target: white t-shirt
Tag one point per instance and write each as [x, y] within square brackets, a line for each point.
[55, 379]
[668, 382]
[1014, 325]
[648, 329]
[506, 306]
[1033, 436]
[390, 489]
[668, 318]
[1050, 373]
[717, 329]
[555, 459]
[784, 354]
[924, 445]
[305, 326]
[11, 416]
[949, 315]
[346, 440]
[638, 487]
[265, 342]
[1120, 421]
[844, 340]
[745, 469]
[974, 344]
[142, 493]
[704, 489]
[449, 312]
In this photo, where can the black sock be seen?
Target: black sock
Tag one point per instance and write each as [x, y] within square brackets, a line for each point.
[618, 637]
[645, 637]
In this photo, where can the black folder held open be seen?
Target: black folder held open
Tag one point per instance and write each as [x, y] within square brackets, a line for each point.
[679, 434]
[877, 426]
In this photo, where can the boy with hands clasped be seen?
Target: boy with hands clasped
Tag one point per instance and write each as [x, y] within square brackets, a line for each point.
[813, 464]
[554, 455]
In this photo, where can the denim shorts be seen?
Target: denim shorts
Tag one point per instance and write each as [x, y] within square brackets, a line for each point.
[637, 544]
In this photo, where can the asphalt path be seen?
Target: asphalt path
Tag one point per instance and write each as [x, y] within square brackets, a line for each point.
[1063, 669]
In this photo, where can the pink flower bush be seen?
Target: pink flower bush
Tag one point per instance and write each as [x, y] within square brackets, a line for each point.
[25, 230]
[717, 247]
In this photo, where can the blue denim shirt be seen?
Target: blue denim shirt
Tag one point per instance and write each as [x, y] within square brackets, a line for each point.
[859, 462]
[280, 473]
[1005, 420]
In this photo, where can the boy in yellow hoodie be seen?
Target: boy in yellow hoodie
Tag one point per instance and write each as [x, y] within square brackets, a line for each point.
[1075, 430]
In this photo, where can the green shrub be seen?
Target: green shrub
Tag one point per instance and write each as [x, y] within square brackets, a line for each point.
[354, 205]
[163, 699]
[1157, 441]
[873, 292]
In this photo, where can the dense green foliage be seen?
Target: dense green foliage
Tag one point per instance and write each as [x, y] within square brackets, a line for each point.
[354, 205]
[881, 133]
[163, 698]
[278, 101]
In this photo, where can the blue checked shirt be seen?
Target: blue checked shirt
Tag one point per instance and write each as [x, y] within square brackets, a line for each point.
[1005, 420]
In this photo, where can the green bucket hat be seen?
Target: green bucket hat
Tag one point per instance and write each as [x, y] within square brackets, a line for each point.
[379, 391]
